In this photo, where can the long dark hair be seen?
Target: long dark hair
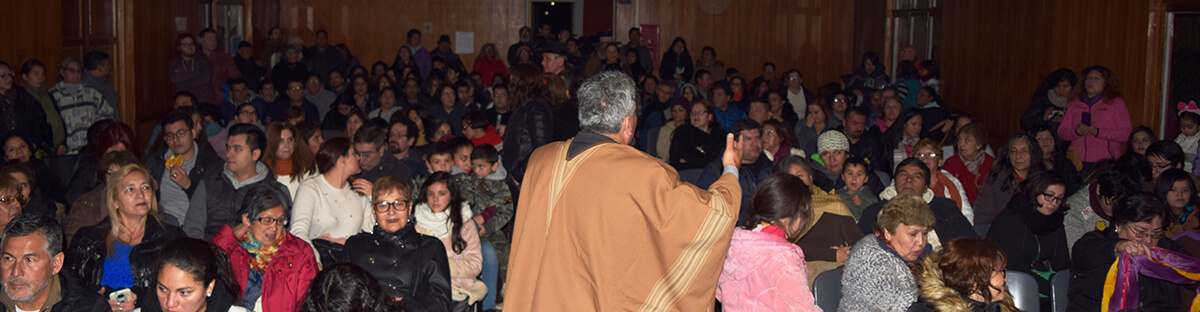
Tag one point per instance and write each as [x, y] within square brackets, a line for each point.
[1036, 184]
[457, 243]
[1111, 88]
[1060, 75]
[895, 133]
[205, 263]
[525, 85]
[967, 265]
[302, 157]
[1003, 168]
[345, 287]
[1167, 180]
[776, 198]
[331, 151]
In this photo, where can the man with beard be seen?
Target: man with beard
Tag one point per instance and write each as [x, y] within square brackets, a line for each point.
[32, 261]
[369, 143]
[526, 35]
[190, 72]
[402, 134]
[864, 143]
[754, 168]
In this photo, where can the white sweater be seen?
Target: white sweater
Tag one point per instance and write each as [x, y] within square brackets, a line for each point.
[320, 208]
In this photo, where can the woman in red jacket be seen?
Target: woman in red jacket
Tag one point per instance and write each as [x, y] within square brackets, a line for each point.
[488, 65]
[273, 267]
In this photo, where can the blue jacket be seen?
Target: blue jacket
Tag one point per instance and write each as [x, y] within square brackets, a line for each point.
[749, 176]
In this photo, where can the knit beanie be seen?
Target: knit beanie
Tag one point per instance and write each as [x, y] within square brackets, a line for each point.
[832, 140]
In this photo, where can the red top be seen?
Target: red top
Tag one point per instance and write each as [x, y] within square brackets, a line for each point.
[971, 182]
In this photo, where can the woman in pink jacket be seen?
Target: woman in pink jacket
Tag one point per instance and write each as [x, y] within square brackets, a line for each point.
[763, 269]
[1097, 121]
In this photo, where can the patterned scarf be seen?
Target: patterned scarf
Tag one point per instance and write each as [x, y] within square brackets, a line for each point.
[973, 164]
[261, 252]
[1121, 285]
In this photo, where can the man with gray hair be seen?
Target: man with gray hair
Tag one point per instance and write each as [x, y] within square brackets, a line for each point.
[31, 262]
[605, 226]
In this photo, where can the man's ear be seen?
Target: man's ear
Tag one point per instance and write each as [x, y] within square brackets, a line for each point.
[57, 264]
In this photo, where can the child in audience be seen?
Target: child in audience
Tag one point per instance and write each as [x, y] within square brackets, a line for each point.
[462, 148]
[1189, 125]
[855, 172]
[477, 128]
[441, 212]
[440, 158]
[491, 203]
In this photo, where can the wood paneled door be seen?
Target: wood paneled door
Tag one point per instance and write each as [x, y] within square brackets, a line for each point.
[89, 25]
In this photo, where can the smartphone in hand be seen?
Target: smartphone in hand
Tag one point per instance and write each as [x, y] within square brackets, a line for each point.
[1086, 119]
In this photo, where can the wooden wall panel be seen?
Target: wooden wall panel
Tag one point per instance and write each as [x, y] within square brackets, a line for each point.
[147, 49]
[996, 53]
[375, 29]
[813, 36]
[30, 27]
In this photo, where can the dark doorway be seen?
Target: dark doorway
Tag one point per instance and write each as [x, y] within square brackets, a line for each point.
[1183, 62]
[560, 15]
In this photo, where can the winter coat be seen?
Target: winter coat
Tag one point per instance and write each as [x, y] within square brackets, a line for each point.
[939, 297]
[1090, 264]
[749, 177]
[971, 182]
[488, 68]
[764, 271]
[407, 265]
[994, 196]
[221, 199]
[1112, 119]
[951, 223]
[676, 63]
[29, 120]
[287, 277]
[194, 76]
[85, 258]
[875, 278]
[696, 147]
[70, 298]
[1032, 241]
[530, 127]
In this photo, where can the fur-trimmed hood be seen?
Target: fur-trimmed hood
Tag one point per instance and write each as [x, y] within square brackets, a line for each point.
[935, 295]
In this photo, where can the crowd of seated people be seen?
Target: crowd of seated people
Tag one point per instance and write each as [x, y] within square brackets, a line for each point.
[290, 178]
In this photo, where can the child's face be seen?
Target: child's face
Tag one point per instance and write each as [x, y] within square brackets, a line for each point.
[483, 168]
[462, 158]
[439, 162]
[1188, 127]
[855, 177]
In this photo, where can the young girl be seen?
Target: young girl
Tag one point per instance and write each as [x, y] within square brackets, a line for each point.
[458, 233]
[857, 197]
[1189, 125]
[1176, 188]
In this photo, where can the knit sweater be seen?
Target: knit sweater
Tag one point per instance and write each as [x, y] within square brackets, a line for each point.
[80, 107]
[320, 208]
[875, 278]
[1082, 218]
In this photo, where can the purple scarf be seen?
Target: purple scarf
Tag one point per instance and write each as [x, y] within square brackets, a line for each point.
[1121, 286]
[1091, 101]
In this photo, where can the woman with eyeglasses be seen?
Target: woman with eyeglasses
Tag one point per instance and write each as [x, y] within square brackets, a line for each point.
[1030, 230]
[11, 201]
[968, 274]
[695, 144]
[273, 267]
[941, 182]
[117, 255]
[411, 267]
[1138, 220]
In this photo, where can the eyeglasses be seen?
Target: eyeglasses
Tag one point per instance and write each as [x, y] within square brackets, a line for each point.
[247, 112]
[1001, 271]
[699, 113]
[364, 154]
[1143, 233]
[18, 199]
[400, 205]
[295, 88]
[1161, 166]
[177, 134]
[8, 75]
[1053, 199]
[271, 221]
[927, 155]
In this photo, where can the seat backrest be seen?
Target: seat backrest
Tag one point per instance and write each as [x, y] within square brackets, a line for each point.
[1024, 290]
[690, 175]
[827, 290]
[652, 142]
[1058, 290]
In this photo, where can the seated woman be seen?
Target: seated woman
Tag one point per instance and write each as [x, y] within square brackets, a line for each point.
[34, 200]
[1138, 220]
[942, 183]
[679, 117]
[346, 287]
[1030, 230]
[441, 212]
[1054, 156]
[119, 253]
[288, 156]
[970, 164]
[412, 268]
[329, 207]
[193, 276]
[777, 141]
[831, 229]
[881, 261]
[968, 274]
[900, 139]
[12, 203]
[89, 208]
[697, 143]
[272, 267]
[49, 187]
[1016, 162]
[816, 121]
[1176, 188]
[764, 270]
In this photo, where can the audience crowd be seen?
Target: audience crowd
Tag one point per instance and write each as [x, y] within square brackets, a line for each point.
[295, 178]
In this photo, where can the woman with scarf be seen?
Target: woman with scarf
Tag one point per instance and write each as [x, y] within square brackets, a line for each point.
[1030, 230]
[1176, 188]
[1097, 121]
[442, 213]
[881, 261]
[1138, 220]
[677, 63]
[971, 164]
[900, 139]
[1049, 101]
[869, 77]
[830, 230]
[271, 266]
[1018, 160]
[942, 183]
[33, 79]
[413, 267]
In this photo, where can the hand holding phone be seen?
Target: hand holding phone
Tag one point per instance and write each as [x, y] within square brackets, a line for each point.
[1086, 119]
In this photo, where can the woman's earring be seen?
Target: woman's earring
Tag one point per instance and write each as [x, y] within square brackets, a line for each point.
[209, 295]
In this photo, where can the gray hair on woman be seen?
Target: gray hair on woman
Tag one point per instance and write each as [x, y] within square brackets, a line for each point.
[604, 102]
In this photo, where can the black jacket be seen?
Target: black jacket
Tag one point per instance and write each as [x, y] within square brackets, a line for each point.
[531, 126]
[696, 147]
[223, 202]
[1031, 240]
[73, 298]
[870, 147]
[85, 258]
[749, 176]
[1091, 258]
[207, 163]
[28, 119]
[407, 264]
[951, 223]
